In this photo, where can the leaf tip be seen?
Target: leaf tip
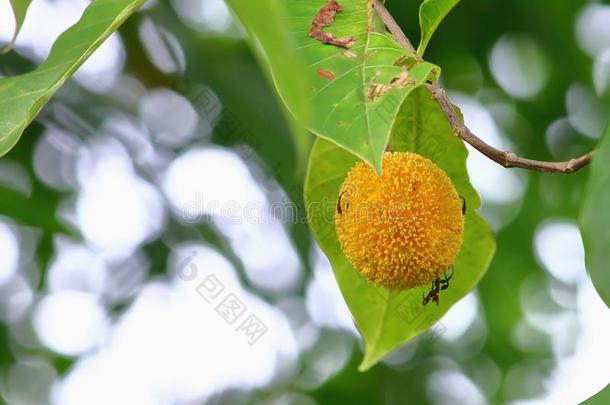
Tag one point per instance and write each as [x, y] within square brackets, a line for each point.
[371, 358]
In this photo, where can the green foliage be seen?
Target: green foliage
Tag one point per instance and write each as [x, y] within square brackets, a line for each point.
[431, 13]
[251, 115]
[265, 22]
[355, 93]
[387, 319]
[20, 9]
[357, 99]
[22, 97]
[595, 220]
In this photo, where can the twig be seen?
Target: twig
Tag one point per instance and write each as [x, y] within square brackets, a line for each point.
[504, 158]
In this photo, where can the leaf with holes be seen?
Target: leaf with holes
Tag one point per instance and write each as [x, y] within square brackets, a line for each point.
[431, 13]
[358, 75]
[387, 319]
[22, 97]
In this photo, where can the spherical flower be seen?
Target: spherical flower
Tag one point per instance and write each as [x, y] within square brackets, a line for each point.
[402, 229]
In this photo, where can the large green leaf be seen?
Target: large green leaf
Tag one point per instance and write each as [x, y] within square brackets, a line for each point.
[348, 87]
[265, 22]
[20, 9]
[387, 319]
[22, 97]
[431, 13]
[595, 220]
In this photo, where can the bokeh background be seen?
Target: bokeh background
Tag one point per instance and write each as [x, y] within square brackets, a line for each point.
[166, 169]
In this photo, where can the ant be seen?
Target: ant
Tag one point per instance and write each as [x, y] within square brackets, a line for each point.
[441, 283]
[437, 285]
[339, 210]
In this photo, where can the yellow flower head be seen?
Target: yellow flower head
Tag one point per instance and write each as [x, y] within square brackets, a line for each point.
[404, 228]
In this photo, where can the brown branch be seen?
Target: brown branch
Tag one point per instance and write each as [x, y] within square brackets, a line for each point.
[504, 158]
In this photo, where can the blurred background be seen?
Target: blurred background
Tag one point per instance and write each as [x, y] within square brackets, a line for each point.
[152, 242]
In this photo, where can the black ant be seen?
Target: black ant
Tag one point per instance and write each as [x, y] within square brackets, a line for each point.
[339, 210]
[437, 285]
[441, 283]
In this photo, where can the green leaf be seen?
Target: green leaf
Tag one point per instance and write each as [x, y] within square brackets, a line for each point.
[22, 97]
[431, 13]
[265, 22]
[387, 319]
[595, 220]
[20, 9]
[347, 87]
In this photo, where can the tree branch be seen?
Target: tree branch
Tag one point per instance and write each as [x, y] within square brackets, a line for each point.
[504, 158]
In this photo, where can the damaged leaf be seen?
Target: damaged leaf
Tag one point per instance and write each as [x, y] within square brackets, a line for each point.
[324, 18]
[376, 90]
[357, 107]
[406, 61]
[327, 74]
